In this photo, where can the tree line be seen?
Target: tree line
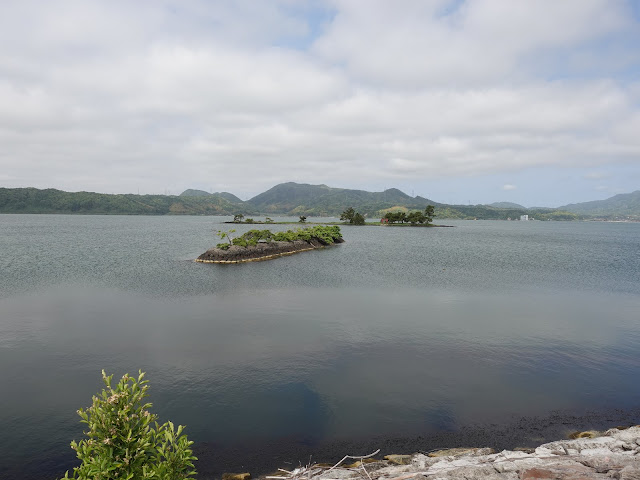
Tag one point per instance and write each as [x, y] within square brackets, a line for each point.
[416, 217]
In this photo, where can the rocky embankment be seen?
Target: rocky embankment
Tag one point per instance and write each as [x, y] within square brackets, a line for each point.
[261, 251]
[614, 454]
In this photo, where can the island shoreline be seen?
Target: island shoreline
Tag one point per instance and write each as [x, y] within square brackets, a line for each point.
[261, 252]
[342, 224]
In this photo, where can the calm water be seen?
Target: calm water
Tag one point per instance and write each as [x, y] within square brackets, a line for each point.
[399, 331]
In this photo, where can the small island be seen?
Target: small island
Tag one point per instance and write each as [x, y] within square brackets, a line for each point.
[257, 245]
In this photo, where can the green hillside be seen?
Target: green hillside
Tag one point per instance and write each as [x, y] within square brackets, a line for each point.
[485, 212]
[201, 193]
[297, 199]
[230, 197]
[506, 205]
[623, 205]
[321, 200]
[286, 197]
[32, 200]
[195, 193]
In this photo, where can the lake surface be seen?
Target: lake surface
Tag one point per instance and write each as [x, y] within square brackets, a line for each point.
[397, 333]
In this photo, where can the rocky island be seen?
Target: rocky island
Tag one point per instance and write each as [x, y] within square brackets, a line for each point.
[257, 245]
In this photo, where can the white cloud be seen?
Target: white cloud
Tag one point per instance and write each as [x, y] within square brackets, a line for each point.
[596, 175]
[109, 96]
[508, 186]
[483, 41]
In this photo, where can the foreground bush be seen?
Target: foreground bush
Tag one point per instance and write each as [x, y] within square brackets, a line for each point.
[125, 440]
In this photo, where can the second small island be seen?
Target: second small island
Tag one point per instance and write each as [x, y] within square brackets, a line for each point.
[256, 245]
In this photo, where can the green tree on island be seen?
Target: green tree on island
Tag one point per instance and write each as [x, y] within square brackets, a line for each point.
[414, 218]
[303, 219]
[394, 217]
[347, 215]
[222, 235]
[237, 218]
[358, 219]
[327, 235]
[353, 217]
[429, 213]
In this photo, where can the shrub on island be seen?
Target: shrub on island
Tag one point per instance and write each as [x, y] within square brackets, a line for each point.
[353, 217]
[414, 218]
[327, 235]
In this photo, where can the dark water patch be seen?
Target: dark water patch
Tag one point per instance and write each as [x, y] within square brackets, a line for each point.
[265, 457]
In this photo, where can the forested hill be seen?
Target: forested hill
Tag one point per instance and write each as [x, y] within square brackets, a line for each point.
[201, 193]
[32, 200]
[299, 198]
[507, 205]
[625, 204]
[320, 200]
[296, 199]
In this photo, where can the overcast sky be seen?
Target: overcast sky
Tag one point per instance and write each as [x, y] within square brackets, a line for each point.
[535, 102]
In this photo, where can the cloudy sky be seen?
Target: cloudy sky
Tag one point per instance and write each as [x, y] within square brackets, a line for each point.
[531, 101]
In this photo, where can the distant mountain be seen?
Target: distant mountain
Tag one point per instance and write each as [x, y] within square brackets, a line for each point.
[33, 200]
[297, 199]
[506, 205]
[229, 196]
[201, 193]
[300, 198]
[286, 197]
[625, 204]
[195, 193]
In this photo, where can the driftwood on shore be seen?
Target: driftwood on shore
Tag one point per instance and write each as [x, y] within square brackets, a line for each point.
[261, 251]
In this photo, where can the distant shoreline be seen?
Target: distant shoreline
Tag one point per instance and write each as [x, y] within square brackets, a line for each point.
[295, 199]
[341, 224]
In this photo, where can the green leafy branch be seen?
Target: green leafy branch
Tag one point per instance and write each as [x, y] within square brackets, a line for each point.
[125, 440]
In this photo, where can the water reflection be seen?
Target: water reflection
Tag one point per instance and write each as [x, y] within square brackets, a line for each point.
[319, 363]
